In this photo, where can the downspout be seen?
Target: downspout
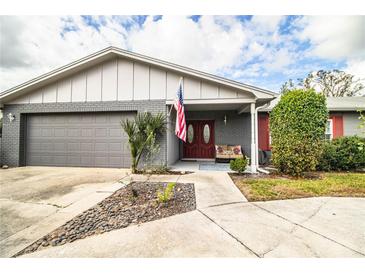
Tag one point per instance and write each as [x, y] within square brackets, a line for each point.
[257, 138]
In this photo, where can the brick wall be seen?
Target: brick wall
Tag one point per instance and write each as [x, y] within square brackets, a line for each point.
[13, 144]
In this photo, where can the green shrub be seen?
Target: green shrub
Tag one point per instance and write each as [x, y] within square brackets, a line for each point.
[142, 133]
[344, 153]
[297, 126]
[165, 195]
[239, 164]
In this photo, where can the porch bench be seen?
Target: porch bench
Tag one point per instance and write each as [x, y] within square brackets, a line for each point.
[227, 152]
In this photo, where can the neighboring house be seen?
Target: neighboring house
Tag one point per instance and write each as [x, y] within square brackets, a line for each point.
[71, 116]
[343, 119]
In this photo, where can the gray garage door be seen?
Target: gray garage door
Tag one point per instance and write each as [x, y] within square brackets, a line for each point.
[77, 139]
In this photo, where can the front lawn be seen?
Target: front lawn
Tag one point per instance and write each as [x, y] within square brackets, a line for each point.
[264, 188]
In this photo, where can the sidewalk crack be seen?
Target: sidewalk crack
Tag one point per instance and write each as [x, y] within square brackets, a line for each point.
[230, 234]
[316, 211]
[306, 228]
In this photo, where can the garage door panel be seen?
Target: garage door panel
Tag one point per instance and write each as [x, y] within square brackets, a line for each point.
[74, 160]
[101, 161]
[101, 132]
[34, 147]
[87, 161]
[47, 132]
[59, 147]
[87, 147]
[88, 119]
[73, 132]
[59, 132]
[74, 119]
[60, 160]
[87, 132]
[115, 132]
[73, 147]
[101, 119]
[35, 132]
[78, 139]
[47, 146]
[115, 147]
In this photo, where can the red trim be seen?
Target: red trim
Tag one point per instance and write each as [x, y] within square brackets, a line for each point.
[337, 122]
[263, 131]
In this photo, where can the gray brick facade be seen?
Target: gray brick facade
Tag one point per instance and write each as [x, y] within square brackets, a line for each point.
[13, 141]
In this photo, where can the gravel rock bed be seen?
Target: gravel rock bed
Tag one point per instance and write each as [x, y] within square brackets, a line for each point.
[134, 204]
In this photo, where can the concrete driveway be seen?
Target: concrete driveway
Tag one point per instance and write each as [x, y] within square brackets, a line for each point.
[36, 200]
[226, 225]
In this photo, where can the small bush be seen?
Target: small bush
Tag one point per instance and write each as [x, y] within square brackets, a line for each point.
[239, 164]
[165, 195]
[344, 153]
[297, 126]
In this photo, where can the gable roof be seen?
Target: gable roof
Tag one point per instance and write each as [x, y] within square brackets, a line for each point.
[333, 104]
[112, 52]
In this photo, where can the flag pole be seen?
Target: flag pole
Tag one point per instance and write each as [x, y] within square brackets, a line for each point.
[172, 105]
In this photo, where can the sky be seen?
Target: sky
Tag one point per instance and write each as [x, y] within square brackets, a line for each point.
[264, 51]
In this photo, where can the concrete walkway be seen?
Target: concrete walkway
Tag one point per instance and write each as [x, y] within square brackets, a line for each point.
[226, 225]
[36, 200]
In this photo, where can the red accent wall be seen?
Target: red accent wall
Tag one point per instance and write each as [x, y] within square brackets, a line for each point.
[337, 121]
[263, 131]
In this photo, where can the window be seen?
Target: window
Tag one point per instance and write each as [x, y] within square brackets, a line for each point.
[329, 130]
[206, 133]
[190, 133]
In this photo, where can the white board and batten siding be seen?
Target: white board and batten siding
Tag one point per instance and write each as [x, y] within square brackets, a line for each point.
[125, 80]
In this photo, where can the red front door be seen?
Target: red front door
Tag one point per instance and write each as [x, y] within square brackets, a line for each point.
[199, 139]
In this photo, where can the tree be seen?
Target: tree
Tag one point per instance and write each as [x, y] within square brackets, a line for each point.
[333, 83]
[287, 86]
[142, 133]
[298, 124]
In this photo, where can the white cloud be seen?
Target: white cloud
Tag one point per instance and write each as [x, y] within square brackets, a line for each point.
[208, 45]
[248, 50]
[34, 45]
[335, 37]
[266, 23]
[356, 67]
[279, 59]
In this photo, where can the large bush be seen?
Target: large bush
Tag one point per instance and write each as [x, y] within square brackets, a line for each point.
[345, 153]
[297, 126]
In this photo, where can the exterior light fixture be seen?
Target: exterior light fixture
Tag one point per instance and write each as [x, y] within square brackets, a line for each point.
[225, 120]
[11, 117]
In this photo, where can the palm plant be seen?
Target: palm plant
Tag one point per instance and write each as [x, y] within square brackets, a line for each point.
[142, 132]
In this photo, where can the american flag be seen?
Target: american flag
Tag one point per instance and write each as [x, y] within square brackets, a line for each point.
[180, 128]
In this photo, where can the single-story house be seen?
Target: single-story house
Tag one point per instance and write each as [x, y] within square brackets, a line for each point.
[71, 116]
[343, 119]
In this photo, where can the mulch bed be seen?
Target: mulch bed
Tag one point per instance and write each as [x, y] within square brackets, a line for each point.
[134, 204]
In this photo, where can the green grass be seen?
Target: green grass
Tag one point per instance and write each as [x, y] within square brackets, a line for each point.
[276, 188]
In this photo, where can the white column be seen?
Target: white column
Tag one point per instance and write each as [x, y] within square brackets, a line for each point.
[253, 138]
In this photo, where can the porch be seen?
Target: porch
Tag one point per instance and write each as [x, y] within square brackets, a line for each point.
[230, 122]
[194, 166]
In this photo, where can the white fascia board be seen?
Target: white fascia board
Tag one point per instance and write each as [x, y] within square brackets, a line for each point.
[347, 109]
[213, 101]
